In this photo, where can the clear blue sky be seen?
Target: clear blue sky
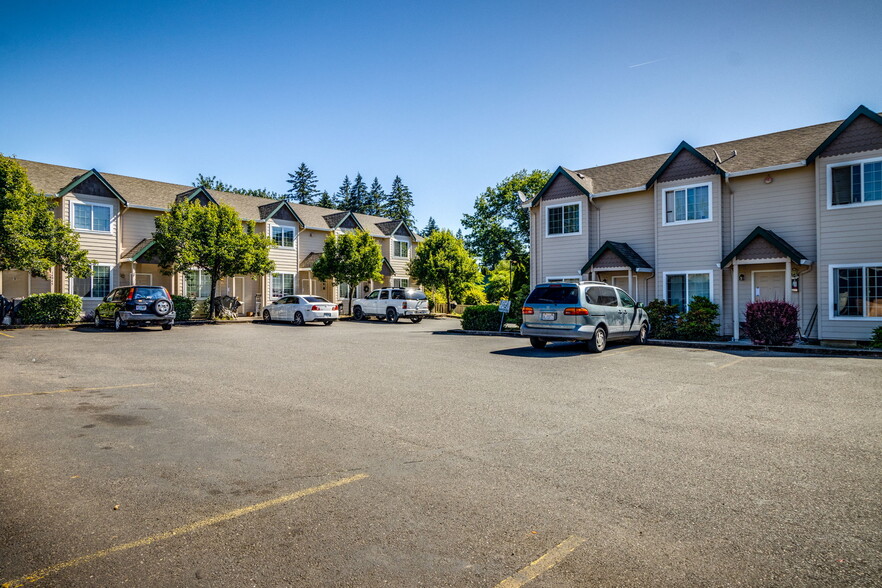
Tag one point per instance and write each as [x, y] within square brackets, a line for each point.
[451, 96]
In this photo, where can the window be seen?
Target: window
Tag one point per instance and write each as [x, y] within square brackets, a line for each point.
[91, 217]
[400, 282]
[95, 286]
[856, 291]
[197, 284]
[344, 290]
[627, 301]
[682, 288]
[373, 295]
[855, 183]
[283, 236]
[554, 295]
[687, 204]
[564, 219]
[601, 296]
[283, 285]
[401, 249]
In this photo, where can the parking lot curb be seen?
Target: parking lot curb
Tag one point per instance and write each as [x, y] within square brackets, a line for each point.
[478, 333]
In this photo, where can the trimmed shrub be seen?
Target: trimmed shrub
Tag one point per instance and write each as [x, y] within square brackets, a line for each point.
[700, 321]
[662, 319]
[481, 318]
[183, 307]
[876, 339]
[771, 322]
[473, 295]
[50, 309]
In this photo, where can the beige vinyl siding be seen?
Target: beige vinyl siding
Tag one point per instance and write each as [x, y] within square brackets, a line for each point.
[626, 218]
[311, 241]
[399, 264]
[850, 235]
[785, 206]
[286, 258]
[690, 247]
[562, 255]
[103, 248]
[136, 225]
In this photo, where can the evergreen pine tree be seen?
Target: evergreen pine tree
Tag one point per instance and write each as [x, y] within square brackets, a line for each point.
[459, 234]
[325, 200]
[430, 228]
[303, 185]
[376, 199]
[399, 203]
[344, 195]
[358, 195]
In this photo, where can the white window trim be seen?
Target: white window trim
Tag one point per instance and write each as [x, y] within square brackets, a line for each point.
[686, 273]
[91, 204]
[561, 205]
[199, 272]
[710, 205]
[830, 167]
[399, 280]
[284, 227]
[92, 284]
[293, 284]
[394, 241]
[831, 289]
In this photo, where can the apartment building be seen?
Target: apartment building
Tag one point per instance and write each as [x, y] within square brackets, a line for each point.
[114, 217]
[794, 215]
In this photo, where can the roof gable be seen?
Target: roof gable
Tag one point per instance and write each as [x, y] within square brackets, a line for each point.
[199, 194]
[342, 220]
[562, 172]
[623, 251]
[94, 184]
[862, 131]
[280, 211]
[773, 239]
[684, 162]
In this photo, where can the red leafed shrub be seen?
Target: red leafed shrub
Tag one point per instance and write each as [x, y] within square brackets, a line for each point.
[771, 322]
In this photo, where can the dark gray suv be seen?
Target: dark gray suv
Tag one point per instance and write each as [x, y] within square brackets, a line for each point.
[593, 312]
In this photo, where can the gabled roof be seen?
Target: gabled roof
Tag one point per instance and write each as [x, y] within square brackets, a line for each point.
[389, 227]
[683, 146]
[92, 173]
[390, 271]
[859, 111]
[582, 182]
[624, 251]
[309, 260]
[270, 209]
[336, 219]
[779, 243]
[193, 193]
[143, 246]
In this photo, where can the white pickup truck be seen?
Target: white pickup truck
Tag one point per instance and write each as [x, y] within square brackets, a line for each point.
[391, 304]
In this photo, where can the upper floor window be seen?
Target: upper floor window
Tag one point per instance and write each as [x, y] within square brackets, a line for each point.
[91, 217]
[283, 236]
[564, 219]
[400, 282]
[401, 249]
[855, 183]
[856, 291]
[687, 204]
[95, 286]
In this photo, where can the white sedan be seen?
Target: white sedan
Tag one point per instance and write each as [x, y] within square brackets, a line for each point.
[301, 309]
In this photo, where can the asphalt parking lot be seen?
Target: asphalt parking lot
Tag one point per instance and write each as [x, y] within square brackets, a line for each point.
[368, 453]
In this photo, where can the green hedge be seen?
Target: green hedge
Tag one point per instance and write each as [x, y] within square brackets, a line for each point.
[50, 309]
[183, 307]
[876, 339]
[481, 318]
[700, 321]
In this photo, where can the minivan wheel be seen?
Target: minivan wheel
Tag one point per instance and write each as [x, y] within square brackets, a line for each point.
[538, 343]
[118, 323]
[598, 342]
[640, 339]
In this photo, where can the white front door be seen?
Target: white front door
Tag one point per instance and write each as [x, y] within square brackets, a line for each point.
[768, 285]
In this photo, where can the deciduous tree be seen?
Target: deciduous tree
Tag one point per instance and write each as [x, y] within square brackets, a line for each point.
[441, 261]
[212, 238]
[349, 258]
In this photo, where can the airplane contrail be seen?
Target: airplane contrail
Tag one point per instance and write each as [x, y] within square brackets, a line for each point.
[646, 63]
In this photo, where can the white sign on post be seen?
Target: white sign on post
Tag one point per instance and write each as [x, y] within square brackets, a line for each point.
[504, 306]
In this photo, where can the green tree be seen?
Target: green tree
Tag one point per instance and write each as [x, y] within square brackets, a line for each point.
[32, 239]
[441, 261]
[499, 228]
[376, 199]
[303, 185]
[212, 238]
[325, 200]
[399, 203]
[358, 196]
[349, 258]
[343, 195]
[212, 183]
[430, 227]
[499, 282]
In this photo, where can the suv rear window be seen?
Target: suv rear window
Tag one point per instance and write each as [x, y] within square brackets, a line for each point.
[154, 293]
[554, 295]
[414, 295]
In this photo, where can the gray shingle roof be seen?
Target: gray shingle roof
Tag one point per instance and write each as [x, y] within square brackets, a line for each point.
[624, 252]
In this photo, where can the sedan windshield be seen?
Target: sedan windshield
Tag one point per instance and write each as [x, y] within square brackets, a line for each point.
[554, 295]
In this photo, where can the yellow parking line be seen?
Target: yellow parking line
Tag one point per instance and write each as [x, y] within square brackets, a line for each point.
[543, 564]
[76, 390]
[725, 365]
[5, 335]
[40, 574]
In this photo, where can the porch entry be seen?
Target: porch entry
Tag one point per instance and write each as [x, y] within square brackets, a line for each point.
[769, 285]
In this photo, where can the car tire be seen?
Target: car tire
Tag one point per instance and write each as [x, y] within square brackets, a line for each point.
[298, 319]
[118, 323]
[167, 326]
[416, 319]
[640, 339]
[161, 307]
[538, 343]
[597, 343]
[358, 314]
[98, 322]
[391, 315]
[267, 317]
[328, 323]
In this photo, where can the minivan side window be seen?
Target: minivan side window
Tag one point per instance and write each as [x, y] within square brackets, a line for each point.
[601, 296]
[627, 301]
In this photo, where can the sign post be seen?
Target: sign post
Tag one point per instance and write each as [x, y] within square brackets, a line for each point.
[504, 308]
